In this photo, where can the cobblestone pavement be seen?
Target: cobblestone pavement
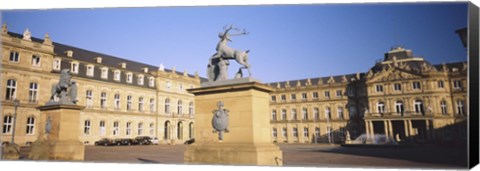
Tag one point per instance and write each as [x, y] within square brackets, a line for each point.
[300, 155]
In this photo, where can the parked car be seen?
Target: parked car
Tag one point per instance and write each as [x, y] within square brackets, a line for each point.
[154, 140]
[128, 141]
[190, 141]
[143, 140]
[105, 142]
[117, 141]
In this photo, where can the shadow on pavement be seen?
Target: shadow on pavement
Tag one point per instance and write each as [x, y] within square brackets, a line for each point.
[442, 155]
[147, 160]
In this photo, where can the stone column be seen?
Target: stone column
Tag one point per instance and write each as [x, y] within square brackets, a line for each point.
[367, 128]
[372, 132]
[390, 128]
[385, 126]
[406, 126]
[427, 130]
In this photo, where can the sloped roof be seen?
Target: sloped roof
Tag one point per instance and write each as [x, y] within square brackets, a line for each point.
[314, 81]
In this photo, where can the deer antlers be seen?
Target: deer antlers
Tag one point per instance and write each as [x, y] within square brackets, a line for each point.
[242, 32]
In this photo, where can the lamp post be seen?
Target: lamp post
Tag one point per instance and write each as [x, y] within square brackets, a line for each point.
[16, 103]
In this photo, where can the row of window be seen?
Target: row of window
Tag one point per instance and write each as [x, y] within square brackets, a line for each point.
[140, 129]
[8, 125]
[304, 96]
[15, 57]
[457, 84]
[305, 132]
[11, 91]
[104, 72]
[419, 108]
[316, 113]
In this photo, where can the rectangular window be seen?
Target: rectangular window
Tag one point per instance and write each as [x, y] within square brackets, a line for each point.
[416, 85]
[274, 132]
[129, 77]
[283, 97]
[7, 124]
[295, 132]
[74, 67]
[140, 129]
[294, 114]
[86, 128]
[103, 100]
[140, 80]
[304, 114]
[32, 94]
[293, 97]
[116, 103]
[152, 105]
[274, 98]
[457, 84]
[440, 84]
[129, 128]
[304, 96]
[140, 104]
[14, 56]
[90, 69]
[284, 132]
[30, 125]
[274, 115]
[340, 112]
[115, 128]
[305, 133]
[339, 93]
[102, 128]
[104, 74]
[316, 113]
[129, 103]
[379, 88]
[284, 114]
[443, 105]
[397, 87]
[35, 60]
[151, 82]
[89, 100]
[116, 75]
[11, 90]
[317, 132]
[57, 63]
[327, 94]
[328, 113]
[152, 129]
[315, 95]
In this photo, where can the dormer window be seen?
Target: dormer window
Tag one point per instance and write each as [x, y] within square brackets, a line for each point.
[145, 70]
[129, 77]
[74, 67]
[69, 53]
[98, 60]
[104, 73]
[90, 69]
[140, 79]
[36, 60]
[123, 64]
[151, 82]
[57, 64]
[116, 75]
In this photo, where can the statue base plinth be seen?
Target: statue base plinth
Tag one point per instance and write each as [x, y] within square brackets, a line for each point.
[62, 141]
[248, 141]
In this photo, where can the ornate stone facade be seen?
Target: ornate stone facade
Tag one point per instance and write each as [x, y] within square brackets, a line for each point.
[123, 99]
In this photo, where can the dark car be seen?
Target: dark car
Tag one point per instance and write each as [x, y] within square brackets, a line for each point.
[104, 142]
[128, 141]
[190, 141]
[143, 140]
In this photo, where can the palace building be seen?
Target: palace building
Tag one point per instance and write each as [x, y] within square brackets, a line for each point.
[403, 97]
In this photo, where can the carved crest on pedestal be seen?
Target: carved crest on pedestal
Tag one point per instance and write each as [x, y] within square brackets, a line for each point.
[220, 120]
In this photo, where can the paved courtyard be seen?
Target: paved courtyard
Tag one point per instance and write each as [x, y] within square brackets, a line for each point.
[301, 155]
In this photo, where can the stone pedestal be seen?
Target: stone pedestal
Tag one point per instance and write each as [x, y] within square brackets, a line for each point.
[248, 141]
[62, 142]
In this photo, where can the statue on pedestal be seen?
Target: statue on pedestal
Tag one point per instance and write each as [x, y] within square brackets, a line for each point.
[65, 89]
[217, 69]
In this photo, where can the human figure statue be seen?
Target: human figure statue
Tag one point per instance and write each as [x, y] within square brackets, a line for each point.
[63, 89]
[48, 125]
[225, 52]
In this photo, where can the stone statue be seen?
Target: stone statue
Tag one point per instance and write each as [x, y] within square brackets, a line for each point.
[48, 125]
[226, 53]
[65, 89]
[220, 120]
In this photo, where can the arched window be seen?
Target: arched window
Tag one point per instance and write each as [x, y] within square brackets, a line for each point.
[167, 106]
[399, 107]
[180, 130]
[381, 107]
[30, 125]
[179, 107]
[443, 106]
[11, 89]
[418, 106]
[190, 130]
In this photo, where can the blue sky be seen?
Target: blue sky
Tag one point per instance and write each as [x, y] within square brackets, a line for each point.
[286, 42]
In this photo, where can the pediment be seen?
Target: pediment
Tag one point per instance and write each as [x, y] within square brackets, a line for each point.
[393, 74]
